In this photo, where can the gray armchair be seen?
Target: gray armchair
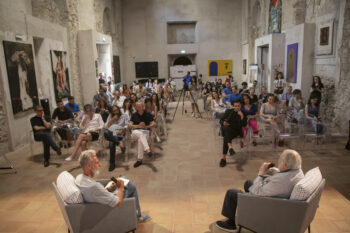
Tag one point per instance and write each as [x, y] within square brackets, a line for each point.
[97, 218]
[274, 215]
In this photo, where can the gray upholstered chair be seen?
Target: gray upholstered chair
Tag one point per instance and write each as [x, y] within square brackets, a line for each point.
[98, 218]
[274, 215]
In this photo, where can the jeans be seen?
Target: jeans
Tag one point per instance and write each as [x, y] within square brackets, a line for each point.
[130, 191]
[113, 142]
[46, 138]
[230, 202]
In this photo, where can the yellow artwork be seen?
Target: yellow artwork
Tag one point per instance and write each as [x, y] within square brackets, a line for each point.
[219, 67]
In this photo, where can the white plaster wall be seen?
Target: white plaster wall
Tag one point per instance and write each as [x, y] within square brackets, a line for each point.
[218, 33]
[55, 37]
[86, 14]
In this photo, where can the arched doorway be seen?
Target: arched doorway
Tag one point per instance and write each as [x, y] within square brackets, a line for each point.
[182, 61]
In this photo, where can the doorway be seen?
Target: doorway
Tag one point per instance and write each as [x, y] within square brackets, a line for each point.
[263, 63]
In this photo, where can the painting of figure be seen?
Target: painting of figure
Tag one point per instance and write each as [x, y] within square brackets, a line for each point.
[292, 63]
[275, 16]
[60, 74]
[21, 76]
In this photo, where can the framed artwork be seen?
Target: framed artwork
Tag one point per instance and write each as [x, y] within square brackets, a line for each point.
[324, 37]
[60, 74]
[292, 63]
[275, 16]
[244, 66]
[116, 69]
[219, 67]
[21, 76]
[146, 69]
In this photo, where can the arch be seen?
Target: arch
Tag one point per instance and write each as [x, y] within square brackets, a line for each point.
[213, 68]
[107, 24]
[182, 61]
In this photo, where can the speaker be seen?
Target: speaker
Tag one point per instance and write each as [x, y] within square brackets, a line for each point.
[46, 106]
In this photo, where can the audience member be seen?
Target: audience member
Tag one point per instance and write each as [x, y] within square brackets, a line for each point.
[279, 84]
[313, 113]
[133, 87]
[235, 96]
[269, 114]
[317, 87]
[218, 107]
[134, 100]
[296, 105]
[41, 129]
[151, 108]
[75, 109]
[64, 116]
[232, 123]
[126, 91]
[140, 91]
[149, 85]
[116, 125]
[251, 111]
[253, 96]
[268, 183]
[101, 94]
[286, 96]
[101, 79]
[91, 125]
[206, 93]
[193, 88]
[127, 108]
[263, 95]
[140, 123]
[94, 192]
[103, 109]
[226, 92]
[118, 99]
[244, 88]
[156, 87]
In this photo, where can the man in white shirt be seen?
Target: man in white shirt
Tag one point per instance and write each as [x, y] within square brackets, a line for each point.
[118, 99]
[94, 192]
[270, 182]
[91, 126]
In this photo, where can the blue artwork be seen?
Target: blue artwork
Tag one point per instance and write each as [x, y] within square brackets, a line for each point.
[275, 16]
[213, 69]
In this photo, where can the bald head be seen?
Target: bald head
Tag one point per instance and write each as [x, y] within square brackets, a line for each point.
[289, 159]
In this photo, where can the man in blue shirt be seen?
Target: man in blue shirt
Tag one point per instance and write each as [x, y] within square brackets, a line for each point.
[235, 95]
[72, 105]
[101, 93]
[226, 92]
[188, 79]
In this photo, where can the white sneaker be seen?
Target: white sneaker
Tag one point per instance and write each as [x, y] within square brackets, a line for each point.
[192, 114]
[68, 158]
[158, 139]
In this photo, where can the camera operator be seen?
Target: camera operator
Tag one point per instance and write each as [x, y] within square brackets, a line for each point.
[231, 125]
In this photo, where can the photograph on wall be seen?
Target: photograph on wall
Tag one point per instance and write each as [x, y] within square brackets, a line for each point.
[21, 76]
[292, 63]
[275, 16]
[60, 74]
[116, 69]
[219, 67]
[324, 37]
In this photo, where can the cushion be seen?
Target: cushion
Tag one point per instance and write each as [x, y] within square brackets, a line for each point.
[306, 186]
[67, 188]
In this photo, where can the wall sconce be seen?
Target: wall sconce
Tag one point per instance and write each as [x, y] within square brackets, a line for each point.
[19, 37]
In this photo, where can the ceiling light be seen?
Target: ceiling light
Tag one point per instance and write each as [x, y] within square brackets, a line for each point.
[183, 51]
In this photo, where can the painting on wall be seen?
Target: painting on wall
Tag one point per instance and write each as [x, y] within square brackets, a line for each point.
[60, 74]
[21, 76]
[244, 66]
[324, 43]
[219, 67]
[292, 63]
[275, 16]
[116, 69]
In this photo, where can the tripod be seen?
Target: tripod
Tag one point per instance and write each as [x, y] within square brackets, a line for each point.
[182, 93]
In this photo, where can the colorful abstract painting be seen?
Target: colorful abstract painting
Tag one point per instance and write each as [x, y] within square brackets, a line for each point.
[21, 76]
[275, 16]
[292, 63]
[219, 67]
[60, 74]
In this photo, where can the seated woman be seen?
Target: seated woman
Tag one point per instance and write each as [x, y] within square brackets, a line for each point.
[206, 93]
[127, 108]
[269, 113]
[103, 109]
[317, 87]
[116, 125]
[312, 114]
[253, 97]
[251, 111]
[126, 91]
[133, 99]
[218, 107]
[296, 106]
[159, 104]
[91, 125]
[153, 110]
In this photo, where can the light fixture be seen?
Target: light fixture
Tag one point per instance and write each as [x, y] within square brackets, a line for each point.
[19, 37]
[183, 51]
[103, 39]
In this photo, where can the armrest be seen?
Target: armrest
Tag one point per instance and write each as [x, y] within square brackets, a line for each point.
[266, 214]
[93, 217]
[104, 182]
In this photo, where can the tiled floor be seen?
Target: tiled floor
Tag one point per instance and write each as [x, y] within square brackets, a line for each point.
[182, 188]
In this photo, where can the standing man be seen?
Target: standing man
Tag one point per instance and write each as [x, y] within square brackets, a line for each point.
[41, 129]
[232, 123]
[141, 123]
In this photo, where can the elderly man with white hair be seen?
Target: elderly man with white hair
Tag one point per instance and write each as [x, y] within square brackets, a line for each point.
[94, 192]
[271, 181]
[141, 123]
[118, 99]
